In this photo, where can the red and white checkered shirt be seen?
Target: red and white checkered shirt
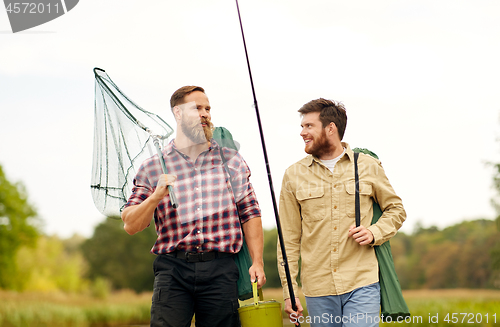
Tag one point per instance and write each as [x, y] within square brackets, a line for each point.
[206, 218]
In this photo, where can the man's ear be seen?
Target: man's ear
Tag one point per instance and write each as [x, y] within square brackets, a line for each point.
[177, 111]
[332, 128]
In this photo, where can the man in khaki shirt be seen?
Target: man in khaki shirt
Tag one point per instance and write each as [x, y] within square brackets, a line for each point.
[317, 212]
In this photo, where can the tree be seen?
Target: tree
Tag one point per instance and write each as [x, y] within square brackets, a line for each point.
[122, 259]
[270, 262]
[455, 257]
[495, 250]
[52, 265]
[17, 228]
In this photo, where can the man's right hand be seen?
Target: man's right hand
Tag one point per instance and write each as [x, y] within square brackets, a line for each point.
[137, 217]
[161, 190]
[293, 315]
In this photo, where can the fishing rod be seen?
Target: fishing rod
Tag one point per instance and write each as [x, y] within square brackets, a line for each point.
[278, 224]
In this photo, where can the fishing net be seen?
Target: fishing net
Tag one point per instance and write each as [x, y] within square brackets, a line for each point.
[124, 136]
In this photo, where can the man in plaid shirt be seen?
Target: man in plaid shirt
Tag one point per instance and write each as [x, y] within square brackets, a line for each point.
[194, 269]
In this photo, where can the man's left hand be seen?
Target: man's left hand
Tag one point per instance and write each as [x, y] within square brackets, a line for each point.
[256, 272]
[361, 234]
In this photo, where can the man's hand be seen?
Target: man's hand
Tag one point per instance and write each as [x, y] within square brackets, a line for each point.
[256, 272]
[254, 236]
[161, 190]
[293, 315]
[137, 217]
[361, 234]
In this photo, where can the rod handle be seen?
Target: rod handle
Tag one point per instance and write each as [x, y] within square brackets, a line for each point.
[173, 198]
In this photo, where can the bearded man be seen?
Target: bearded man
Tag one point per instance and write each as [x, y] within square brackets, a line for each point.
[195, 273]
[317, 213]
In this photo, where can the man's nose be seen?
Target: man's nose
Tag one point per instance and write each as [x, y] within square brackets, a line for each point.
[203, 113]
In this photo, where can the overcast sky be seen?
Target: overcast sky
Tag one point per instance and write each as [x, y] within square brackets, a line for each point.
[420, 81]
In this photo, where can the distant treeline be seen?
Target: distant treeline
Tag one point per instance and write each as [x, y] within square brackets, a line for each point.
[466, 255]
[459, 256]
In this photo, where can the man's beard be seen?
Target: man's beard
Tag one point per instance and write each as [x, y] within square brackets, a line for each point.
[321, 145]
[195, 132]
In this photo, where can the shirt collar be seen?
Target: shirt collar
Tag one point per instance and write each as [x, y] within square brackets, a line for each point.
[171, 146]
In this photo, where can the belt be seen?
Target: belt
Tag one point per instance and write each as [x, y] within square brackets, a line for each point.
[198, 256]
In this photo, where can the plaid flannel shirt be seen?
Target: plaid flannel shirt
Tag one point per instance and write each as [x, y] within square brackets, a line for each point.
[206, 218]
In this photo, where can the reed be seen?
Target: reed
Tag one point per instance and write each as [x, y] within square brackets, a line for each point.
[125, 308]
[59, 309]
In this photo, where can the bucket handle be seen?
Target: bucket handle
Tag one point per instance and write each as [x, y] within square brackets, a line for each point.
[257, 294]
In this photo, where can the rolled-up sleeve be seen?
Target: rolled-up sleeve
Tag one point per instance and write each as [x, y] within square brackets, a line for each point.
[246, 200]
[141, 190]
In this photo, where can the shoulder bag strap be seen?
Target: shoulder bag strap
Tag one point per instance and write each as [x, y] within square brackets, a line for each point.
[226, 169]
[356, 199]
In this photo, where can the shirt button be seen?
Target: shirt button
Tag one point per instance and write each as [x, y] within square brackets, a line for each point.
[335, 228]
[334, 207]
[334, 270]
[334, 250]
[198, 208]
[199, 231]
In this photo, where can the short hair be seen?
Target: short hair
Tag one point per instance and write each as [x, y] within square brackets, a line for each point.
[330, 112]
[178, 96]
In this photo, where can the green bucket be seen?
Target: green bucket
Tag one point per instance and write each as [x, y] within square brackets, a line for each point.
[260, 313]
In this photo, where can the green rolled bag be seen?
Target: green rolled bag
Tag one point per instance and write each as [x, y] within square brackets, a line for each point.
[392, 303]
[242, 259]
[244, 262]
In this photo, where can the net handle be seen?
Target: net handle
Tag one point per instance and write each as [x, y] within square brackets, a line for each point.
[173, 198]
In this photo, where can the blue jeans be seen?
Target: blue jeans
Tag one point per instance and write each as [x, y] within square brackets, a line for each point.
[359, 308]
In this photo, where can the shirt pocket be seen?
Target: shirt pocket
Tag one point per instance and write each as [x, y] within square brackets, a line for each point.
[312, 204]
[365, 194]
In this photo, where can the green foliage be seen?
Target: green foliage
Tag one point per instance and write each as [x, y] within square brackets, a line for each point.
[270, 259]
[496, 184]
[124, 260]
[495, 251]
[100, 288]
[456, 257]
[270, 262]
[16, 229]
[51, 266]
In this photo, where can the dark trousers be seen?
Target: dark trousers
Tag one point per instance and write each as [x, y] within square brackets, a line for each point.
[206, 289]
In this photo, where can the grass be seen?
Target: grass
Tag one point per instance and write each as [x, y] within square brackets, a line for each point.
[429, 306]
[471, 307]
[126, 308]
[60, 309]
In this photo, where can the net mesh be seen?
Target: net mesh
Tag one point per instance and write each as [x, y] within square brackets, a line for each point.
[123, 139]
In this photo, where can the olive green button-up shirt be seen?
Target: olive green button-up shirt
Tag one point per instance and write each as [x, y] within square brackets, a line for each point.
[316, 210]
